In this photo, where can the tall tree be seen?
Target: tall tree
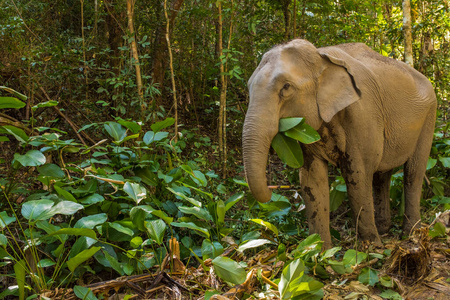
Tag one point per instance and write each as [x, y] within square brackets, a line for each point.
[407, 32]
[223, 94]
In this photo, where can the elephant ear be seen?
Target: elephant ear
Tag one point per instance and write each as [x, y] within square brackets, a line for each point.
[338, 83]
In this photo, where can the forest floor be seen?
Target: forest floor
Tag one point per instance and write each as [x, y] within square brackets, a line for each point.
[419, 268]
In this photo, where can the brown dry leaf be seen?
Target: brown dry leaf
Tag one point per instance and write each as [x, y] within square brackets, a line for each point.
[357, 286]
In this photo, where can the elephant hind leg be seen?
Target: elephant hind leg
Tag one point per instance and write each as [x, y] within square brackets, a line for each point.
[415, 168]
[381, 184]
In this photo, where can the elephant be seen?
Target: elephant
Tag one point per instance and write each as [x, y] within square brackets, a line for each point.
[373, 114]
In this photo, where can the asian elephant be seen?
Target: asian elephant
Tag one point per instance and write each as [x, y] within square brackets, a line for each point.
[373, 114]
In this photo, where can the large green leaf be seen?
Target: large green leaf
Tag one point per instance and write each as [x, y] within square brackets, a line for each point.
[32, 158]
[163, 124]
[233, 200]
[135, 191]
[288, 123]
[253, 244]
[368, 276]
[156, 230]
[65, 194]
[16, 93]
[150, 137]
[51, 170]
[116, 131]
[18, 133]
[267, 225]
[200, 213]
[229, 270]
[81, 257]
[183, 196]
[31, 210]
[5, 220]
[84, 293]
[303, 133]
[91, 221]
[76, 231]
[211, 249]
[64, 208]
[288, 150]
[199, 230]
[294, 270]
[121, 228]
[10, 102]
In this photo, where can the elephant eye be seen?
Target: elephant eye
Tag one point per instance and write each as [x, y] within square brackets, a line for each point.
[284, 91]
[286, 86]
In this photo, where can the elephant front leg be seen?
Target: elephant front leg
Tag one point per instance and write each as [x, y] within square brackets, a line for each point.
[381, 184]
[315, 193]
[359, 189]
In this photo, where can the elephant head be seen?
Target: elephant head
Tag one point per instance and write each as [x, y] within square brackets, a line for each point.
[293, 80]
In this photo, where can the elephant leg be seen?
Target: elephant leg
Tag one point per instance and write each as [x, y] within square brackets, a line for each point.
[381, 184]
[315, 193]
[414, 173]
[359, 190]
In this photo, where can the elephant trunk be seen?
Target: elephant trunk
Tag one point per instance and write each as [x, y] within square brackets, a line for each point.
[256, 139]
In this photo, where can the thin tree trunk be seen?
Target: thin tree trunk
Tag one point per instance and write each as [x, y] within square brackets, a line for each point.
[134, 52]
[294, 16]
[174, 91]
[223, 91]
[84, 50]
[407, 32]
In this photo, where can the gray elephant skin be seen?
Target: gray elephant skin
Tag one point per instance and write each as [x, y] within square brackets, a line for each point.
[373, 114]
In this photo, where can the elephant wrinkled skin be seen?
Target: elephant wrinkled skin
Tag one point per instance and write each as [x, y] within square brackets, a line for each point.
[373, 114]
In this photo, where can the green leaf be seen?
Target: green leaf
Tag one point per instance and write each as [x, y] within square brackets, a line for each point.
[233, 200]
[81, 257]
[294, 270]
[267, 225]
[196, 211]
[368, 276]
[32, 158]
[5, 220]
[220, 212]
[3, 240]
[76, 231]
[163, 124]
[65, 194]
[45, 104]
[64, 208]
[199, 230]
[132, 125]
[303, 133]
[136, 242]
[288, 150]
[431, 163]
[16, 93]
[51, 170]
[120, 228]
[116, 131]
[20, 271]
[253, 244]
[91, 221]
[229, 270]
[211, 249]
[92, 199]
[150, 137]
[18, 133]
[156, 230]
[135, 191]
[288, 123]
[45, 263]
[390, 294]
[4, 139]
[352, 257]
[11, 102]
[84, 293]
[445, 161]
[183, 196]
[438, 230]
[31, 210]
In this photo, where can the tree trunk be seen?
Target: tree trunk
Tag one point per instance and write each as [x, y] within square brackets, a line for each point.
[287, 18]
[294, 16]
[134, 52]
[172, 77]
[160, 48]
[223, 93]
[407, 32]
